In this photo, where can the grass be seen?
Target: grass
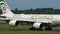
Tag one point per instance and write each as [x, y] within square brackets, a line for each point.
[27, 32]
[6, 25]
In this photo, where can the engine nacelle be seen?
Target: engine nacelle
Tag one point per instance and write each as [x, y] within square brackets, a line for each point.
[37, 25]
[13, 23]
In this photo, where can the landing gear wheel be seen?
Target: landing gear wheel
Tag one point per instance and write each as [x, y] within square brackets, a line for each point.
[40, 29]
[32, 28]
[35, 29]
[48, 28]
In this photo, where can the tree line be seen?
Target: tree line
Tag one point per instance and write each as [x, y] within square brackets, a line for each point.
[36, 11]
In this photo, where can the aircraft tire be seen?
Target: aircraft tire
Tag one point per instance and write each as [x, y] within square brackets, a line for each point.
[32, 28]
[40, 29]
[48, 28]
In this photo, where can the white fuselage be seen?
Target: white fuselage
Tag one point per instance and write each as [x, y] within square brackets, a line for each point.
[37, 17]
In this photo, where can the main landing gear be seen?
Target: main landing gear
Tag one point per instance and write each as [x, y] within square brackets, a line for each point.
[46, 29]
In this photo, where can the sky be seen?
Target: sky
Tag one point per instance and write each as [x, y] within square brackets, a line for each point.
[27, 4]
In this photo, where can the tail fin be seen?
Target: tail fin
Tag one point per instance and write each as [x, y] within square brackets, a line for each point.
[5, 9]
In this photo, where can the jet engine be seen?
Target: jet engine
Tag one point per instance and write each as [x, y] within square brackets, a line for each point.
[14, 23]
[37, 25]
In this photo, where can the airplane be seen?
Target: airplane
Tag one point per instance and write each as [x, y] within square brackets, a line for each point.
[39, 20]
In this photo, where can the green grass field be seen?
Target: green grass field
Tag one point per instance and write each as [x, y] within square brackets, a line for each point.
[6, 25]
[27, 32]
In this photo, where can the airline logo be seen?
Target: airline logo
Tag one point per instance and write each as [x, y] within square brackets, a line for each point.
[4, 8]
[42, 17]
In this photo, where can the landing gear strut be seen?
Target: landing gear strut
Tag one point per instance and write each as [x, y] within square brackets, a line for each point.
[35, 28]
[48, 28]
